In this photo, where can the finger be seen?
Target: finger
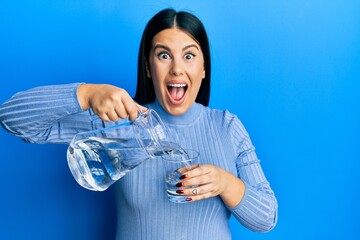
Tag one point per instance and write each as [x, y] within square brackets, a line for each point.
[183, 170]
[198, 190]
[195, 181]
[104, 117]
[120, 111]
[112, 115]
[129, 104]
[193, 198]
[195, 170]
[131, 108]
[199, 197]
[142, 108]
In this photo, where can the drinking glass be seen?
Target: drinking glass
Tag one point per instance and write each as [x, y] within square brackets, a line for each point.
[175, 165]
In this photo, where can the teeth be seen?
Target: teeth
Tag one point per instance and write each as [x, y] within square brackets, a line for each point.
[177, 85]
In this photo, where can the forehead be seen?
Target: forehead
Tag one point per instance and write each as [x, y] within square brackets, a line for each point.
[173, 38]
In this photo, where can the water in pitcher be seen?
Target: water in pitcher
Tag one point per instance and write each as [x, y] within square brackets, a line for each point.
[96, 163]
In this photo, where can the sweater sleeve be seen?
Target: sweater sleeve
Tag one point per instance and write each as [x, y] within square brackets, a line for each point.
[258, 208]
[48, 114]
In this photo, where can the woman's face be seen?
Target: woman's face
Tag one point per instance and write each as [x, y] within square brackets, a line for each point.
[177, 69]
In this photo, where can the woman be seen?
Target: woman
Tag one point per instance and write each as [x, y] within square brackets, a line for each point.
[174, 80]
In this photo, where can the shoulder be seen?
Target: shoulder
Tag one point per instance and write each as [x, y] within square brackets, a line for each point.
[224, 117]
[227, 121]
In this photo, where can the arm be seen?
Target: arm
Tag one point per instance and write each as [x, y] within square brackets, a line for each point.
[248, 196]
[54, 114]
[48, 114]
[257, 209]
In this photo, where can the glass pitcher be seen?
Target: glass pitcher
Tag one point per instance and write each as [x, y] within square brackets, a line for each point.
[99, 158]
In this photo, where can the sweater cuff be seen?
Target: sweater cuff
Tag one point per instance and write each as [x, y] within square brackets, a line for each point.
[75, 99]
[256, 210]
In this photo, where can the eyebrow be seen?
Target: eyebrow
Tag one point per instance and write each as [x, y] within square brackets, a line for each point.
[190, 46]
[168, 49]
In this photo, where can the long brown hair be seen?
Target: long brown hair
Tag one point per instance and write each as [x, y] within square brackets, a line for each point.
[165, 19]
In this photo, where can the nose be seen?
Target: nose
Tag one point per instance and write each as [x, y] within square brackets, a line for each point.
[177, 67]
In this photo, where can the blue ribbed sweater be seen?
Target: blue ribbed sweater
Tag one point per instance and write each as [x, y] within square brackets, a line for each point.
[52, 114]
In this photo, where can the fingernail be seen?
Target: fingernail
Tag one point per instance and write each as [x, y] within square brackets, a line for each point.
[188, 199]
[179, 184]
[180, 191]
[182, 176]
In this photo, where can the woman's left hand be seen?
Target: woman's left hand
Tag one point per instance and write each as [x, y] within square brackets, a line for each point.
[211, 181]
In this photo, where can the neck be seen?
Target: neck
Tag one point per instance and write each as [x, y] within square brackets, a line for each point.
[184, 119]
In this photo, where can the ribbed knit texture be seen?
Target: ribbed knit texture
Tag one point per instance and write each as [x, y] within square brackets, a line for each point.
[52, 115]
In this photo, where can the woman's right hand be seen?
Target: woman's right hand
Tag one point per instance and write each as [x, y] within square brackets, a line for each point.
[108, 102]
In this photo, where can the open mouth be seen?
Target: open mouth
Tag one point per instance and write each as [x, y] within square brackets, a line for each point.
[176, 92]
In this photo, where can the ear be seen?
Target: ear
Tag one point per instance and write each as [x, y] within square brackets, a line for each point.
[148, 73]
[203, 76]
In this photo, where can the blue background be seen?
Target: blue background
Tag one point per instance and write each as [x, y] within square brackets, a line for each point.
[289, 69]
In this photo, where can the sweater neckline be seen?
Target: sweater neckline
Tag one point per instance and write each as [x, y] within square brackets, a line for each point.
[190, 116]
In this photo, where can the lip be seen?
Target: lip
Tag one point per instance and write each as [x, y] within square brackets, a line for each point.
[182, 99]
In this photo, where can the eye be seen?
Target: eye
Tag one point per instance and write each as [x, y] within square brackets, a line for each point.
[189, 56]
[163, 55]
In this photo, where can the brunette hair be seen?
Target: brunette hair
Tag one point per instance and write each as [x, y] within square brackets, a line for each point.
[165, 19]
